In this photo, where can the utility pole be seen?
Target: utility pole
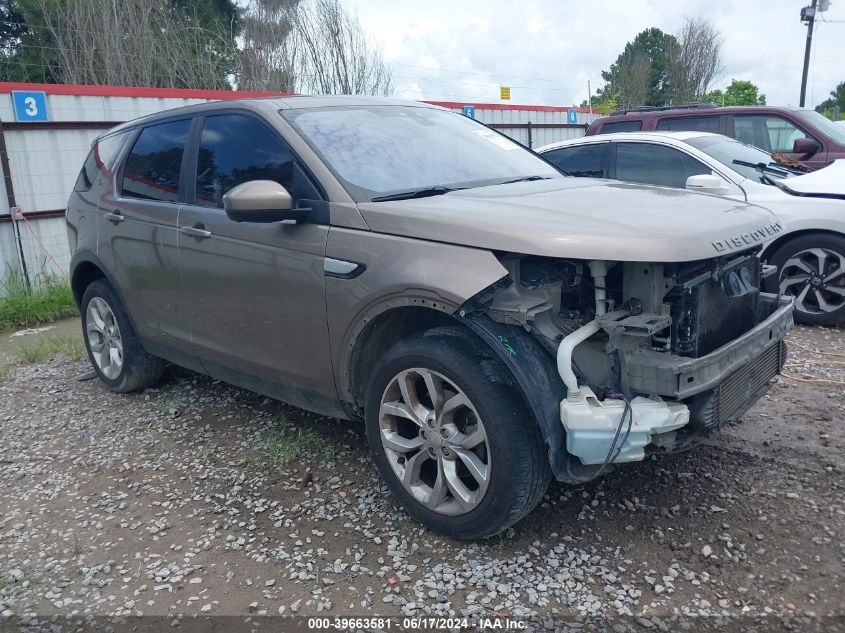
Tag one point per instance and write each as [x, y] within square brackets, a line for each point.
[808, 15]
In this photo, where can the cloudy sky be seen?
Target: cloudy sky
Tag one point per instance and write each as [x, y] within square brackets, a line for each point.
[546, 50]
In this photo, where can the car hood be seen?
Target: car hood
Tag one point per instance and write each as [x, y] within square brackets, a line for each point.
[828, 182]
[581, 218]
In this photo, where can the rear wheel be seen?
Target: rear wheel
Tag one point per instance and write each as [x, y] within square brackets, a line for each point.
[114, 350]
[451, 436]
[811, 268]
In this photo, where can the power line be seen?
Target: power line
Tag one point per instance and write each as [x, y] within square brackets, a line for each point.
[465, 83]
[467, 72]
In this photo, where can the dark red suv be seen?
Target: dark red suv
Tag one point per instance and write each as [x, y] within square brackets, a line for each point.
[803, 135]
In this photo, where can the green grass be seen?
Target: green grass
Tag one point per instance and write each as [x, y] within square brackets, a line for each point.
[501, 543]
[286, 445]
[7, 372]
[7, 582]
[46, 347]
[48, 300]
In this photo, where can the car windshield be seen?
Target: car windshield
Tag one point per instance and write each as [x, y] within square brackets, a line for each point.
[739, 156]
[387, 151]
[834, 132]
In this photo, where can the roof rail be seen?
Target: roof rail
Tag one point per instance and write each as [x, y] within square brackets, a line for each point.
[683, 106]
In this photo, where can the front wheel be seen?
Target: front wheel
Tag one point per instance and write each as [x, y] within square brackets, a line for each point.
[452, 438]
[811, 268]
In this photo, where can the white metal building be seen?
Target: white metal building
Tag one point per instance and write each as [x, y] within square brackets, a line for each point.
[46, 131]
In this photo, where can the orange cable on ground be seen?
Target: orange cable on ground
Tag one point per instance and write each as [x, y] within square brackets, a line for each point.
[43, 248]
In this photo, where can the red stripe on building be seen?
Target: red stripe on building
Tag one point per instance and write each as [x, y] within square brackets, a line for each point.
[134, 91]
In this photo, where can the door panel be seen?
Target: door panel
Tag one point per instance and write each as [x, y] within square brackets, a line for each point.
[138, 235]
[254, 292]
[255, 296]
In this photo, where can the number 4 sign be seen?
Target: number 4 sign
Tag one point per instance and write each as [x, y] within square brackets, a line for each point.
[30, 106]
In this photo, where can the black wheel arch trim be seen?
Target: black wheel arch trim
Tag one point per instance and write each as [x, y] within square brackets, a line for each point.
[536, 375]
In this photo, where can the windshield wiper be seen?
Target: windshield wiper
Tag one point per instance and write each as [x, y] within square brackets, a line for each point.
[425, 192]
[525, 179]
[762, 167]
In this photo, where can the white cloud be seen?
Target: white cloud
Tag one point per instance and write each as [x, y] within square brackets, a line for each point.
[547, 49]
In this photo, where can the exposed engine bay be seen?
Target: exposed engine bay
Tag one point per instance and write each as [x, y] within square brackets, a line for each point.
[654, 356]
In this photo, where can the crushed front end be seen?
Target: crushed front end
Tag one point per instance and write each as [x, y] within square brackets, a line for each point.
[653, 356]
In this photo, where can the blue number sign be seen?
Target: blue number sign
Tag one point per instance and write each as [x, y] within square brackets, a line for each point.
[30, 106]
[572, 116]
[469, 111]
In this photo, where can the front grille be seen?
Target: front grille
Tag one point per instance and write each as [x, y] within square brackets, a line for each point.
[705, 316]
[737, 389]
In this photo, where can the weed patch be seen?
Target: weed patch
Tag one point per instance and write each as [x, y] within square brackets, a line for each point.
[49, 347]
[20, 306]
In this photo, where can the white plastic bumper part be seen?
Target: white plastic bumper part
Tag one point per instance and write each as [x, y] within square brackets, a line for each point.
[591, 425]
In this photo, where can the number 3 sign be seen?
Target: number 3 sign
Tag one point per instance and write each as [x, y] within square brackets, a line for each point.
[30, 106]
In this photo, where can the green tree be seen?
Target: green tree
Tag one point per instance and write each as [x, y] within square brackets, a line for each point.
[640, 74]
[17, 44]
[837, 98]
[739, 92]
[164, 43]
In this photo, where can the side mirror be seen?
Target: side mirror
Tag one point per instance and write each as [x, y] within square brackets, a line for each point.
[805, 146]
[707, 183]
[261, 201]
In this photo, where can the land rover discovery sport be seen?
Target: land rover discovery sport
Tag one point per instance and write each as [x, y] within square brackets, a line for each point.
[493, 322]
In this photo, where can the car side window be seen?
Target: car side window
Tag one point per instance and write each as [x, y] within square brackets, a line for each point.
[621, 126]
[690, 124]
[100, 160]
[580, 160]
[234, 149]
[151, 170]
[656, 165]
[771, 133]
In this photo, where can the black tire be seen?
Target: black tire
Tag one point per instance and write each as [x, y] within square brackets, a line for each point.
[139, 369]
[808, 312]
[519, 468]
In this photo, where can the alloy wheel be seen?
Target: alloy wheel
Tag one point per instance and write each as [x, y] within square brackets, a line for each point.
[435, 441]
[104, 338]
[816, 278]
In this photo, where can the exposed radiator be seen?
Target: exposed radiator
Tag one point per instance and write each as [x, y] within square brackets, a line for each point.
[706, 316]
[736, 390]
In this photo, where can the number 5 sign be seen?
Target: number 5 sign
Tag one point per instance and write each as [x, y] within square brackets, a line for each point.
[30, 106]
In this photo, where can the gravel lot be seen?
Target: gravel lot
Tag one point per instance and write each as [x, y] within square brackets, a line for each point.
[197, 500]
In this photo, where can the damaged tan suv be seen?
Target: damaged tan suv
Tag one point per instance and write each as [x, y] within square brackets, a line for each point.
[495, 323]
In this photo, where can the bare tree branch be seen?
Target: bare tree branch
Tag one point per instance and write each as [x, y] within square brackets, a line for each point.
[134, 43]
[331, 53]
[695, 60]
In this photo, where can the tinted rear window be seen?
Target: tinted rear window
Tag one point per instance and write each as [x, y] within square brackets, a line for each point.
[581, 160]
[690, 124]
[152, 168]
[621, 126]
[100, 160]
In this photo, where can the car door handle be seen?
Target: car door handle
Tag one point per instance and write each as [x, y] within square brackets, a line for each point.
[116, 217]
[198, 231]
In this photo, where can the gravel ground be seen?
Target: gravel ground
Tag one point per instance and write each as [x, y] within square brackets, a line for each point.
[196, 500]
